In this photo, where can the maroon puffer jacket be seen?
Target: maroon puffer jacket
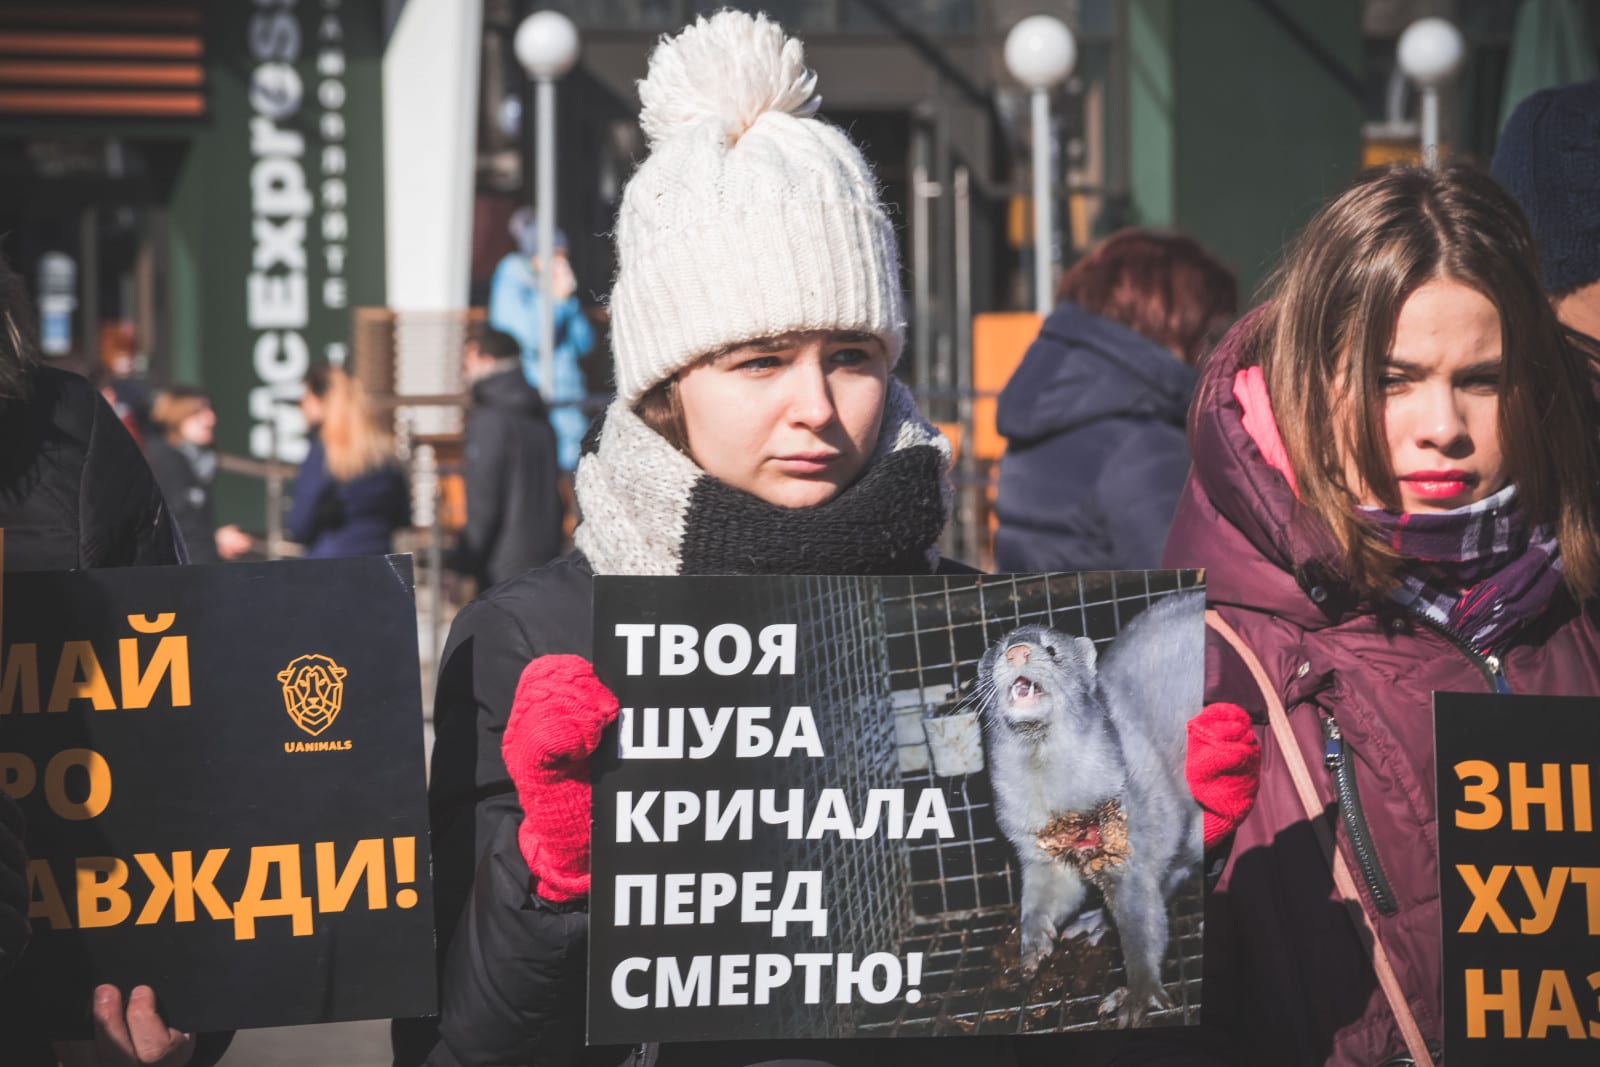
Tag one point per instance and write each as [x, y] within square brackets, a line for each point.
[1291, 979]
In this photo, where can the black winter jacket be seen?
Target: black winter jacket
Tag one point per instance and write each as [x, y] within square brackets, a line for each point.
[513, 498]
[504, 949]
[1096, 456]
[74, 490]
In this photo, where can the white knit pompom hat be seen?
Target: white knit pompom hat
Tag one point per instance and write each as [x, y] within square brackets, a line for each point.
[750, 217]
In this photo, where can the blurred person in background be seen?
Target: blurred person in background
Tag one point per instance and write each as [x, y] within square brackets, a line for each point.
[350, 494]
[182, 459]
[1094, 415]
[100, 375]
[134, 399]
[1549, 159]
[514, 300]
[513, 498]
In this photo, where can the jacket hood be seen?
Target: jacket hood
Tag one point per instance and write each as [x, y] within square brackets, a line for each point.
[508, 390]
[1083, 368]
[1275, 554]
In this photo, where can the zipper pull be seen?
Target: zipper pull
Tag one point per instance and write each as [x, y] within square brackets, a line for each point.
[1333, 743]
[1496, 670]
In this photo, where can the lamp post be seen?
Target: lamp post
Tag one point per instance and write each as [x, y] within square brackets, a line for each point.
[1040, 53]
[546, 45]
[1430, 53]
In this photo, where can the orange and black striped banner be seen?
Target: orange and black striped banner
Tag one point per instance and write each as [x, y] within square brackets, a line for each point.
[98, 60]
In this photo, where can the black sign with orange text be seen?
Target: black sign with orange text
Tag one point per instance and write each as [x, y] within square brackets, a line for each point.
[222, 772]
[1519, 873]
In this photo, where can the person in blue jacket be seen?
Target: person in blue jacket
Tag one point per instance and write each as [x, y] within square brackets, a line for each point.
[1094, 415]
[350, 494]
[514, 297]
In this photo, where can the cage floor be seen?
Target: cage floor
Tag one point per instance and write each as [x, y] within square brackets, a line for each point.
[972, 981]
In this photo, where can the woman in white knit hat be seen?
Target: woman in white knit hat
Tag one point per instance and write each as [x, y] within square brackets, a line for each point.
[756, 317]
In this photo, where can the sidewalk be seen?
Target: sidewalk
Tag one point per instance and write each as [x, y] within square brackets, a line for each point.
[362, 1044]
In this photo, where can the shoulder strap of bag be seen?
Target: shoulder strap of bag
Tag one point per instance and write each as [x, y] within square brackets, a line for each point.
[1278, 720]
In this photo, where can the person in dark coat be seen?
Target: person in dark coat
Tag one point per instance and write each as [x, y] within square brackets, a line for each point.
[1331, 533]
[513, 493]
[1094, 415]
[184, 464]
[762, 433]
[350, 494]
[75, 493]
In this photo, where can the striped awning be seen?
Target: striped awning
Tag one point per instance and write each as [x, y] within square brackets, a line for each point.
[102, 60]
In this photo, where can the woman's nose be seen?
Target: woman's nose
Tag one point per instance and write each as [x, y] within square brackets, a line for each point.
[810, 398]
[1442, 425]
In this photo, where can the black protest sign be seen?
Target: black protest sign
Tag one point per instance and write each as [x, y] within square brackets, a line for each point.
[222, 771]
[801, 829]
[1519, 878]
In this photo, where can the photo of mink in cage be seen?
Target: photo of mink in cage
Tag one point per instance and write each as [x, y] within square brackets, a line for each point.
[1084, 852]
[954, 805]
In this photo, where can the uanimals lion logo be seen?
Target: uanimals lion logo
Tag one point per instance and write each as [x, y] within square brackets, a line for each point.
[313, 690]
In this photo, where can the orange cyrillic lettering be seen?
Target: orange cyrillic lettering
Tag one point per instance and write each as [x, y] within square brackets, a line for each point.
[101, 899]
[79, 677]
[334, 889]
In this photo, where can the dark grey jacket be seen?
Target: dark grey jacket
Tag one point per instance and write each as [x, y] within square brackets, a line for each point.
[185, 474]
[1095, 453]
[513, 499]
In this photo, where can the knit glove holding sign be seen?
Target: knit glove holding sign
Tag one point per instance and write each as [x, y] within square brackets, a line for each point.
[557, 715]
[1223, 766]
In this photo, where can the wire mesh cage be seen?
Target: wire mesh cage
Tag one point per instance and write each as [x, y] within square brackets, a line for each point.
[842, 620]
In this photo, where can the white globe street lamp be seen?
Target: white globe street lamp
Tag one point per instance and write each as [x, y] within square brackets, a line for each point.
[1430, 53]
[546, 45]
[1040, 53]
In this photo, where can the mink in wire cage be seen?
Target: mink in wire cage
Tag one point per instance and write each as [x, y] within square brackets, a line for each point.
[967, 892]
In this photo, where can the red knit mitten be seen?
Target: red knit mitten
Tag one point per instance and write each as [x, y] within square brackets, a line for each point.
[1223, 765]
[556, 718]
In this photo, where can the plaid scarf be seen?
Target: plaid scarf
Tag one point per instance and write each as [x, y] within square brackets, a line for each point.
[1476, 571]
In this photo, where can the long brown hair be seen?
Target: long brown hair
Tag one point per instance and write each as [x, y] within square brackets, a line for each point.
[352, 441]
[661, 409]
[1164, 286]
[1324, 340]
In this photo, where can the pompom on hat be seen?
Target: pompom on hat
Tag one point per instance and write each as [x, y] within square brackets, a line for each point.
[750, 217]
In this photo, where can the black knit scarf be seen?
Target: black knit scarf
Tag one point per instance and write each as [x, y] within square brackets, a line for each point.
[648, 509]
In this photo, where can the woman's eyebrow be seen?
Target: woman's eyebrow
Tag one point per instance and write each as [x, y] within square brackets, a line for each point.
[759, 344]
[1483, 366]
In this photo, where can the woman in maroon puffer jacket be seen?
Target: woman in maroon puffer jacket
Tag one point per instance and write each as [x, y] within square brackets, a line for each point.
[1405, 395]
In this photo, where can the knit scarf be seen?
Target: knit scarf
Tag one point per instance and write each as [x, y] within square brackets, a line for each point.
[648, 509]
[1476, 570]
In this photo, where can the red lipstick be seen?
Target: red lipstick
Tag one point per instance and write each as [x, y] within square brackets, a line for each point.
[1439, 485]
